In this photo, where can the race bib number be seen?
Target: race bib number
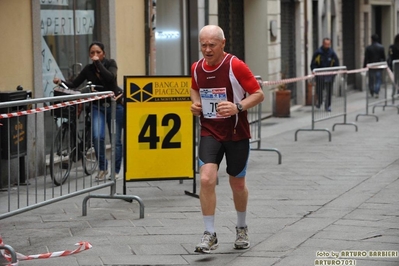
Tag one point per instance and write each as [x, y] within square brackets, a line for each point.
[210, 99]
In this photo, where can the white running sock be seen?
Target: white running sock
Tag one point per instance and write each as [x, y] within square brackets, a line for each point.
[209, 221]
[241, 217]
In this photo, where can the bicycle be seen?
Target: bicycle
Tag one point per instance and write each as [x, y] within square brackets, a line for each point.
[70, 144]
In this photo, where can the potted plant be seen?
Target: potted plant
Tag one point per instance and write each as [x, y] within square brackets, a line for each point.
[282, 101]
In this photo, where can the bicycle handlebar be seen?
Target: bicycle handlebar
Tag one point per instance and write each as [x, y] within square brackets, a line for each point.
[86, 89]
[89, 87]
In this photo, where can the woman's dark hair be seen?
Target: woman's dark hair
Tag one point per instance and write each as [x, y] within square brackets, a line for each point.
[99, 44]
[396, 41]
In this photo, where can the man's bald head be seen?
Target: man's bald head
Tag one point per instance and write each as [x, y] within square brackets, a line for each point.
[212, 43]
[212, 31]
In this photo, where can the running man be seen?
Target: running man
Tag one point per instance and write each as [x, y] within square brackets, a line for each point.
[223, 89]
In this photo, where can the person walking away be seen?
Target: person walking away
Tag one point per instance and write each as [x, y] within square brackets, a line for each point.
[223, 89]
[393, 54]
[325, 56]
[374, 53]
[103, 72]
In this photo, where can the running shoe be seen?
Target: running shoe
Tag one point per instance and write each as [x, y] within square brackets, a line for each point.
[208, 242]
[242, 240]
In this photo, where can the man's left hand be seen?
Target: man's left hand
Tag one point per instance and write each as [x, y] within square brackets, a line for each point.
[226, 108]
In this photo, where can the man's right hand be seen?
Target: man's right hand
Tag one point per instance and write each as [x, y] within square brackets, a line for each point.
[56, 81]
[196, 109]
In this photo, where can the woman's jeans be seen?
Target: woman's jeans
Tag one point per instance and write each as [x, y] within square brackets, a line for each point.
[101, 115]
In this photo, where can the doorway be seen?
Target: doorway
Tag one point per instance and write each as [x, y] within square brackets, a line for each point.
[382, 24]
[288, 42]
[169, 44]
[231, 20]
[348, 38]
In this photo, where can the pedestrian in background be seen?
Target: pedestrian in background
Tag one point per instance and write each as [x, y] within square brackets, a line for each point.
[393, 51]
[223, 89]
[103, 72]
[393, 54]
[374, 53]
[325, 56]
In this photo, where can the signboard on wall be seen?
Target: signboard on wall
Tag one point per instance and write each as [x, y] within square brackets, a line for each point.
[159, 128]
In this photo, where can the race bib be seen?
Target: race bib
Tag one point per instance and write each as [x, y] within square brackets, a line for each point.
[210, 99]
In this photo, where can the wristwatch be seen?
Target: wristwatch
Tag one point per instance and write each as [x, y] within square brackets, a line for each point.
[239, 107]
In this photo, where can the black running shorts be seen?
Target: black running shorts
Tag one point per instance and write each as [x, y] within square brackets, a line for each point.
[237, 154]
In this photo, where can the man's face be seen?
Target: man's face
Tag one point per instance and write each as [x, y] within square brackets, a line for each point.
[326, 44]
[212, 48]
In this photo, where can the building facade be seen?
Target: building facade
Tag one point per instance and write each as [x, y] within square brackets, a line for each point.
[43, 39]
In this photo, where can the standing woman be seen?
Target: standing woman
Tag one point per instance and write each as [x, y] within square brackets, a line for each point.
[393, 54]
[103, 72]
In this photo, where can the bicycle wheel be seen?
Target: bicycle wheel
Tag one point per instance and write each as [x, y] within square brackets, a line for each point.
[60, 159]
[89, 160]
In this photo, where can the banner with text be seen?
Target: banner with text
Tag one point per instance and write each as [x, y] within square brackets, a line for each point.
[159, 132]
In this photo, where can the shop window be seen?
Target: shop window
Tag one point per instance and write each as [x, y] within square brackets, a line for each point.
[67, 29]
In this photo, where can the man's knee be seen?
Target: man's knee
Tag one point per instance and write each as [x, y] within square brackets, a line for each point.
[208, 182]
[208, 174]
[237, 184]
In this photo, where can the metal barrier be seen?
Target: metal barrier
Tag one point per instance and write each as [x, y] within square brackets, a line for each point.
[376, 81]
[328, 98]
[59, 175]
[395, 78]
[255, 124]
[390, 93]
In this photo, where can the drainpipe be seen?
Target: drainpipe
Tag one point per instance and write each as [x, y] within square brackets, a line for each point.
[306, 36]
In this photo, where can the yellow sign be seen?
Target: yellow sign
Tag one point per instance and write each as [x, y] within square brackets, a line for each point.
[159, 132]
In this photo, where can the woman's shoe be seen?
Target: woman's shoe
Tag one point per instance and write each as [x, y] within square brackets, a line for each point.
[116, 176]
[101, 175]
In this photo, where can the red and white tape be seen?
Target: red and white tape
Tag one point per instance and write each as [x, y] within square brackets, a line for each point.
[284, 81]
[292, 80]
[83, 245]
[379, 67]
[354, 71]
[54, 106]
